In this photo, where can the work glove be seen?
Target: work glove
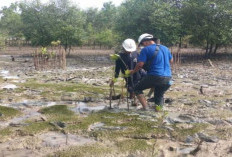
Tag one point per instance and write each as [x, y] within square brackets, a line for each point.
[114, 57]
[127, 73]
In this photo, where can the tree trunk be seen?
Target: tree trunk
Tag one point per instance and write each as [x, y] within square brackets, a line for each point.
[69, 50]
[215, 49]
[207, 49]
[180, 44]
[210, 50]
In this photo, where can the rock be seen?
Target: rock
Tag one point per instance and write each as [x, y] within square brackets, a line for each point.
[208, 103]
[168, 128]
[10, 99]
[229, 100]
[229, 121]
[172, 148]
[88, 99]
[207, 138]
[96, 84]
[189, 103]
[184, 126]
[169, 100]
[186, 150]
[230, 150]
[43, 118]
[61, 124]
[216, 122]
[58, 125]
[187, 117]
[189, 139]
[17, 124]
[95, 126]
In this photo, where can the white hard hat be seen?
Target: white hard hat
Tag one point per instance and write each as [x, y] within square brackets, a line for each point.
[144, 37]
[129, 45]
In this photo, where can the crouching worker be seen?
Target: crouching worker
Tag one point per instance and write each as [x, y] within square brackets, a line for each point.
[157, 59]
[127, 61]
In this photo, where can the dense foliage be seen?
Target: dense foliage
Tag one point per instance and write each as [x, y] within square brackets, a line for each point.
[205, 23]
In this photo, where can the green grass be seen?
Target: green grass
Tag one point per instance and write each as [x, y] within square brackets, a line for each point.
[64, 87]
[120, 147]
[131, 124]
[182, 133]
[36, 127]
[132, 145]
[52, 91]
[8, 112]
[4, 133]
[85, 151]
[57, 113]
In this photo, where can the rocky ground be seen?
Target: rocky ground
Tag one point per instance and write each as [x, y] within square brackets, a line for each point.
[66, 113]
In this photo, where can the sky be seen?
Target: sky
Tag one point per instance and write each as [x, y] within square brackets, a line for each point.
[84, 4]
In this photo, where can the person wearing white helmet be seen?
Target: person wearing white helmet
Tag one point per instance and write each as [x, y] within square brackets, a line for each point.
[156, 60]
[128, 61]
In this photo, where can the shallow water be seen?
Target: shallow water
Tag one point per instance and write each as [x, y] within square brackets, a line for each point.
[8, 86]
[83, 108]
[5, 74]
[19, 120]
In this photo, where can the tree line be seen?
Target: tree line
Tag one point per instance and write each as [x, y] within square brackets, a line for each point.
[205, 23]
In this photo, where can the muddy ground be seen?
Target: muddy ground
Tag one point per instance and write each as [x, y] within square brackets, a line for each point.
[66, 113]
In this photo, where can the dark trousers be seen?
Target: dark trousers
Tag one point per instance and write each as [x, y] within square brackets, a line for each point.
[159, 83]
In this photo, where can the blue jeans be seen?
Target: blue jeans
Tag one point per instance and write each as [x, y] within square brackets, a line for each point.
[159, 83]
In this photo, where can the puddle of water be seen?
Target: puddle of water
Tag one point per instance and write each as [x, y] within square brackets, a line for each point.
[83, 108]
[33, 103]
[5, 74]
[54, 139]
[96, 126]
[8, 86]
[19, 120]
[11, 77]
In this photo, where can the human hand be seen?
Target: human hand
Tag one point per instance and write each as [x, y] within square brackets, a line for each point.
[127, 73]
[132, 72]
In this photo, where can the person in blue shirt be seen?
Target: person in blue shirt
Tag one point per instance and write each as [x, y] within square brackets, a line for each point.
[158, 73]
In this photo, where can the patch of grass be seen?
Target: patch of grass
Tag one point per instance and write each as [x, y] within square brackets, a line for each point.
[8, 112]
[65, 87]
[85, 151]
[133, 126]
[182, 133]
[59, 113]
[133, 145]
[4, 133]
[223, 133]
[38, 127]
[52, 91]
[220, 114]
[57, 110]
